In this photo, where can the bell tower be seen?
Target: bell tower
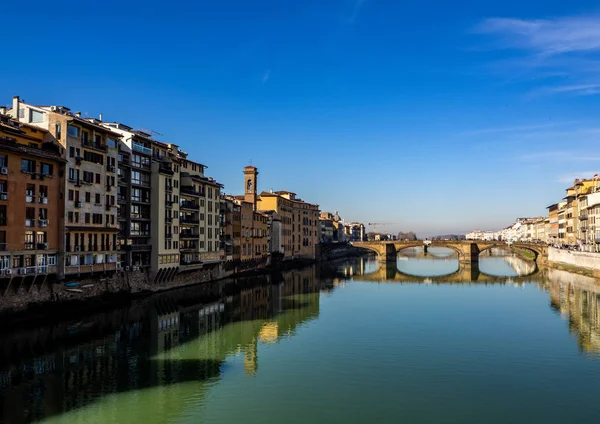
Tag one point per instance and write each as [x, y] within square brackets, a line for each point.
[250, 184]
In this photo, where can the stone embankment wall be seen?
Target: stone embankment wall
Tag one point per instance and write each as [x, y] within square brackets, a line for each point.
[583, 262]
[23, 295]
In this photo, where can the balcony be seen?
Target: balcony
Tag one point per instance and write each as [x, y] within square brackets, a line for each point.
[111, 168]
[137, 247]
[188, 205]
[141, 183]
[188, 235]
[42, 223]
[189, 220]
[165, 169]
[139, 148]
[169, 189]
[139, 217]
[189, 247]
[140, 199]
[583, 217]
[92, 145]
[168, 235]
[189, 190]
[29, 246]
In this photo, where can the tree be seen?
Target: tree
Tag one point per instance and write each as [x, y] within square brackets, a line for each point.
[407, 236]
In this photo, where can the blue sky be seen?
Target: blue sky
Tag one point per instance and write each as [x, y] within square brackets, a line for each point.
[433, 116]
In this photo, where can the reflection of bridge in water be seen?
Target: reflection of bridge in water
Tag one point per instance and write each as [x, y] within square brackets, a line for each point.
[466, 273]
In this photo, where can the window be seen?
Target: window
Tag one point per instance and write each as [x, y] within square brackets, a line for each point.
[58, 129]
[73, 131]
[88, 197]
[46, 169]
[41, 237]
[3, 215]
[88, 177]
[43, 213]
[30, 192]
[27, 165]
[98, 198]
[71, 195]
[93, 157]
[3, 160]
[36, 116]
[3, 186]
[111, 143]
[70, 217]
[98, 178]
[85, 137]
[87, 218]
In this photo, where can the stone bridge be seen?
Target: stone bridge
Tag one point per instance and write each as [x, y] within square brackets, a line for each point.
[467, 250]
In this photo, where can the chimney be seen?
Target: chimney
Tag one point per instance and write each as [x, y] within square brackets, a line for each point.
[100, 118]
[15, 108]
[271, 190]
[2, 110]
[78, 114]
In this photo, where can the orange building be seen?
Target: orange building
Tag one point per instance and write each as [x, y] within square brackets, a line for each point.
[31, 209]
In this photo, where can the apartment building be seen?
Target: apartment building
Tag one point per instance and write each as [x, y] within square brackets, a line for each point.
[90, 210]
[134, 196]
[166, 255]
[199, 215]
[230, 228]
[30, 207]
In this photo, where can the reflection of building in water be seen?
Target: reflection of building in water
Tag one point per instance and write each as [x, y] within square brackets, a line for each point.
[174, 340]
[520, 266]
[578, 299]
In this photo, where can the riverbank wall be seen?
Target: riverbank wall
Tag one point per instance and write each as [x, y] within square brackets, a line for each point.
[22, 297]
[584, 263]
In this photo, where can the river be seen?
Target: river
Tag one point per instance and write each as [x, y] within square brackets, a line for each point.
[344, 342]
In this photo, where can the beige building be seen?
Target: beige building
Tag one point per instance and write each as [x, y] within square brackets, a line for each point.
[299, 219]
[90, 218]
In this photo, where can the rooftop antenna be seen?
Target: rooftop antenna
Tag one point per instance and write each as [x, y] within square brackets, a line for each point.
[156, 132]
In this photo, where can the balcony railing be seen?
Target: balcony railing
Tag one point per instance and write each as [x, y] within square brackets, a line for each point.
[191, 191]
[583, 217]
[188, 205]
[186, 220]
[89, 143]
[139, 148]
[168, 188]
[188, 234]
[43, 223]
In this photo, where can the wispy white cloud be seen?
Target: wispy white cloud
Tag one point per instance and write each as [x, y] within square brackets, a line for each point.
[266, 76]
[577, 89]
[562, 49]
[515, 128]
[356, 8]
[546, 37]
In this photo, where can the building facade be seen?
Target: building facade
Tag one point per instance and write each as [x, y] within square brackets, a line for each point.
[31, 211]
[90, 210]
